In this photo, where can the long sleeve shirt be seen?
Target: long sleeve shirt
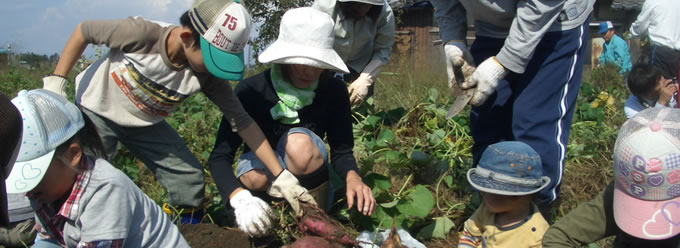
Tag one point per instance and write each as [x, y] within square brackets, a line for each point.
[136, 85]
[660, 19]
[522, 23]
[616, 51]
[328, 116]
[593, 221]
[359, 41]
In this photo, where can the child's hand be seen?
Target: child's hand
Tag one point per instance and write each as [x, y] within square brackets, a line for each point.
[667, 90]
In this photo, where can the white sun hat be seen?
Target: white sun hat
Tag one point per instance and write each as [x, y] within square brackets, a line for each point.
[371, 2]
[306, 38]
[48, 120]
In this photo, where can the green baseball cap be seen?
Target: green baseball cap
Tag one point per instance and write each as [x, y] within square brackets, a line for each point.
[224, 26]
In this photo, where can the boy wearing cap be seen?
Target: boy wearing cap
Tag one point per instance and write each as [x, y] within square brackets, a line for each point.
[508, 176]
[149, 71]
[79, 199]
[641, 208]
[614, 49]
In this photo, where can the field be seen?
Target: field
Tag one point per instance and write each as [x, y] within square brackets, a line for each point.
[413, 158]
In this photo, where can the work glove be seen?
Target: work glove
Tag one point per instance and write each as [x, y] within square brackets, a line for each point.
[56, 84]
[253, 215]
[358, 90]
[485, 78]
[457, 55]
[286, 186]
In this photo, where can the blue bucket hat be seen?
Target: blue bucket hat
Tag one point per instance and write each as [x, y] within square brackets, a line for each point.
[508, 168]
[605, 26]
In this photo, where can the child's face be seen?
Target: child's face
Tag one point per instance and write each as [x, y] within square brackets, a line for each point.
[503, 203]
[56, 183]
[195, 58]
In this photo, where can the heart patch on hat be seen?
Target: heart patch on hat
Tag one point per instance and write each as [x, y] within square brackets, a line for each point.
[29, 172]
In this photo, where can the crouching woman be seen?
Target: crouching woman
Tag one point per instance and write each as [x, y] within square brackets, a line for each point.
[296, 102]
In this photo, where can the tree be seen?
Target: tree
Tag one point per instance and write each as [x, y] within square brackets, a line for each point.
[269, 14]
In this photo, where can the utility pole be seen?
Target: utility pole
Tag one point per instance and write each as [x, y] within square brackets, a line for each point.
[9, 52]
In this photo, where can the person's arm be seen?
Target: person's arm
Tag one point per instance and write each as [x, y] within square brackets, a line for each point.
[471, 237]
[74, 48]
[222, 158]
[531, 22]
[254, 138]
[603, 58]
[452, 20]
[625, 57]
[641, 24]
[341, 141]
[384, 39]
[586, 224]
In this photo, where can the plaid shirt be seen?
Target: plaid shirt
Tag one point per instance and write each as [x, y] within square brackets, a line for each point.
[54, 221]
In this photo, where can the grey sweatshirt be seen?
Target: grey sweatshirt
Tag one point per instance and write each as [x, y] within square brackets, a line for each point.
[521, 23]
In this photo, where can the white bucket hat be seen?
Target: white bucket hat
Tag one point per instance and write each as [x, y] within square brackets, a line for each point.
[371, 2]
[305, 37]
[48, 121]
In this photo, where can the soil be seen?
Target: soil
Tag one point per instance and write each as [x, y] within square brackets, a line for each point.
[211, 235]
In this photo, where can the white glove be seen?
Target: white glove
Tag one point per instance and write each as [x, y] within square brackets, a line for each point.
[286, 186]
[253, 215]
[358, 90]
[56, 84]
[485, 78]
[457, 54]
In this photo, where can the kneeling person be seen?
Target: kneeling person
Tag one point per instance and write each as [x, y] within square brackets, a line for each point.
[296, 102]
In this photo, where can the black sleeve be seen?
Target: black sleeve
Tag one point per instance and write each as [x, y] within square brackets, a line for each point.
[222, 158]
[340, 137]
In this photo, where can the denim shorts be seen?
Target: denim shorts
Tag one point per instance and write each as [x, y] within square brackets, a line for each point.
[248, 161]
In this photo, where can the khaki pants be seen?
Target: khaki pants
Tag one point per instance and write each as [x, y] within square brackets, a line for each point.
[18, 234]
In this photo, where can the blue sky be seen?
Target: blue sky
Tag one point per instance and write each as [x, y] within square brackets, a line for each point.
[43, 26]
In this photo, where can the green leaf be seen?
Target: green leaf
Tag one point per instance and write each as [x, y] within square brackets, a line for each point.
[372, 121]
[395, 159]
[376, 180]
[437, 229]
[386, 136]
[389, 204]
[420, 158]
[420, 203]
[448, 179]
[431, 124]
[433, 95]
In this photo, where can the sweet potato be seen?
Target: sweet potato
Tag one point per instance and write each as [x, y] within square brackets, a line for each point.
[315, 221]
[313, 242]
[393, 240]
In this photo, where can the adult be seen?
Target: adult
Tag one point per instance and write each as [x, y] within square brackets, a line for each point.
[614, 49]
[11, 126]
[296, 102]
[529, 57]
[659, 19]
[364, 34]
[149, 71]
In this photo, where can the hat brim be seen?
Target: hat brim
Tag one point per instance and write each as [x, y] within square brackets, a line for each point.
[381, 3]
[222, 64]
[26, 175]
[488, 185]
[287, 53]
[652, 220]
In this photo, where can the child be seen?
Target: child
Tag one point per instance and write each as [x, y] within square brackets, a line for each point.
[649, 88]
[641, 207]
[79, 199]
[149, 71]
[508, 176]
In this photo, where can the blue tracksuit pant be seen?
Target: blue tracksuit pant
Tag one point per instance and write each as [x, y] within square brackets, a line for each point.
[534, 107]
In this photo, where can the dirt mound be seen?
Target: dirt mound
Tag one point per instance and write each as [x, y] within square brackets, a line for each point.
[211, 235]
